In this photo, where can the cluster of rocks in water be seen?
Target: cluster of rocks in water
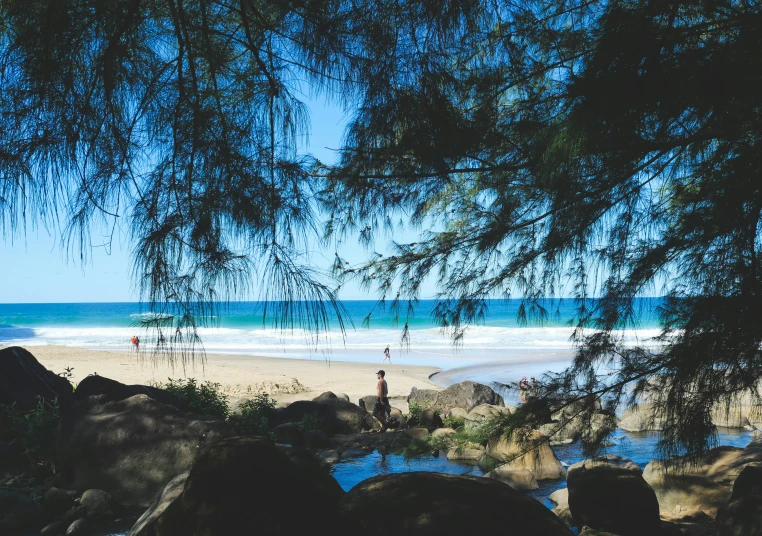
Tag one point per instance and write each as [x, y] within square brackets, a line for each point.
[130, 452]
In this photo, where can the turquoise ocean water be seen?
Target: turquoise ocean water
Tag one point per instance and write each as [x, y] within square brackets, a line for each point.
[241, 329]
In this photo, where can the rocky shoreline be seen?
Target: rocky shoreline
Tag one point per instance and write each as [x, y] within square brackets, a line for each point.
[131, 457]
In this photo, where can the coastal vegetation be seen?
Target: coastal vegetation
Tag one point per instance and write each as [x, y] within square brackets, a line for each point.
[598, 149]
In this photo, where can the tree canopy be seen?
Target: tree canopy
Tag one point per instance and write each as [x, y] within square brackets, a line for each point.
[605, 149]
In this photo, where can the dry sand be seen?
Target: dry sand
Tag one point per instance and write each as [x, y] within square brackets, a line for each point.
[241, 376]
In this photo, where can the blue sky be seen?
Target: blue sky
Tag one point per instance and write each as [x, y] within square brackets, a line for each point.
[36, 268]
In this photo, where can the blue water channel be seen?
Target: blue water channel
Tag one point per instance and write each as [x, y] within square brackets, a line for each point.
[638, 447]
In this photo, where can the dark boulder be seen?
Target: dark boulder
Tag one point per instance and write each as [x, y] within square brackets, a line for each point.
[610, 494]
[130, 448]
[316, 439]
[334, 415]
[113, 391]
[19, 513]
[743, 513]
[465, 395]
[58, 501]
[430, 419]
[289, 433]
[242, 485]
[328, 395]
[23, 381]
[368, 403]
[422, 504]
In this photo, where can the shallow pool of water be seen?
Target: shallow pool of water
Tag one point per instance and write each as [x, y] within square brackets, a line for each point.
[640, 448]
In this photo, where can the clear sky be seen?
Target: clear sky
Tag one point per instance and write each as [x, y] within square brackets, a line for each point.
[35, 268]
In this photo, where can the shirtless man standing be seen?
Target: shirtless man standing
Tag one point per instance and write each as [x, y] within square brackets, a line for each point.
[382, 408]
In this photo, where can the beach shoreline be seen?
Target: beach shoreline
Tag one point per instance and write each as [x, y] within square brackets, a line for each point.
[240, 376]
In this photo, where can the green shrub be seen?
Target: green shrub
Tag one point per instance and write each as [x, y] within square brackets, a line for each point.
[254, 417]
[36, 429]
[414, 413]
[205, 399]
[309, 422]
[452, 422]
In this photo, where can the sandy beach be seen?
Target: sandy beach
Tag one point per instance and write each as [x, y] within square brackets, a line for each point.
[241, 376]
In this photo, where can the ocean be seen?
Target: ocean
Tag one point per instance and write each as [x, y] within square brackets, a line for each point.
[241, 329]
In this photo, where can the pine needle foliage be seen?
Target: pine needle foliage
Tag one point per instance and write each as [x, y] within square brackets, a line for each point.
[603, 149]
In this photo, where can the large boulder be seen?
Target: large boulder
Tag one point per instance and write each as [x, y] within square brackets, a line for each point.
[430, 419]
[465, 395]
[743, 514]
[23, 381]
[240, 485]
[641, 418]
[422, 504]
[130, 448]
[609, 494]
[367, 403]
[530, 452]
[18, 513]
[478, 415]
[334, 415]
[518, 479]
[705, 484]
[112, 391]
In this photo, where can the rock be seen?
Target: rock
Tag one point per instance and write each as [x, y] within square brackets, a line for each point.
[743, 513]
[706, 484]
[238, 485]
[479, 414]
[396, 414]
[324, 396]
[330, 456]
[465, 395]
[560, 496]
[532, 453]
[558, 433]
[18, 512]
[113, 390]
[443, 432]
[335, 415]
[99, 504]
[57, 502]
[457, 413]
[470, 452]
[610, 494]
[163, 513]
[312, 469]
[289, 433]
[80, 527]
[518, 479]
[56, 528]
[23, 381]
[599, 426]
[343, 396]
[130, 448]
[354, 453]
[429, 418]
[428, 504]
[564, 514]
[418, 433]
[641, 418]
[368, 402]
[315, 439]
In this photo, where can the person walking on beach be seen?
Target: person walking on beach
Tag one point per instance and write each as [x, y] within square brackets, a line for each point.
[135, 343]
[382, 409]
[523, 388]
[387, 355]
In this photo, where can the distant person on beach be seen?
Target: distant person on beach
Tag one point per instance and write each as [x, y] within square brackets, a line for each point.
[523, 388]
[135, 343]
[387, 355]
[382, 409]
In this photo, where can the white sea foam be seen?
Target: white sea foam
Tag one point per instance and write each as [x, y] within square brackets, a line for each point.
[483, 342]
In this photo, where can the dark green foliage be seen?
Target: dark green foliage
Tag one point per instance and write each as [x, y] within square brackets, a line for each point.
[601, 149]
[414, 413]
[254, 416]
[36, 429]
[205, 399]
